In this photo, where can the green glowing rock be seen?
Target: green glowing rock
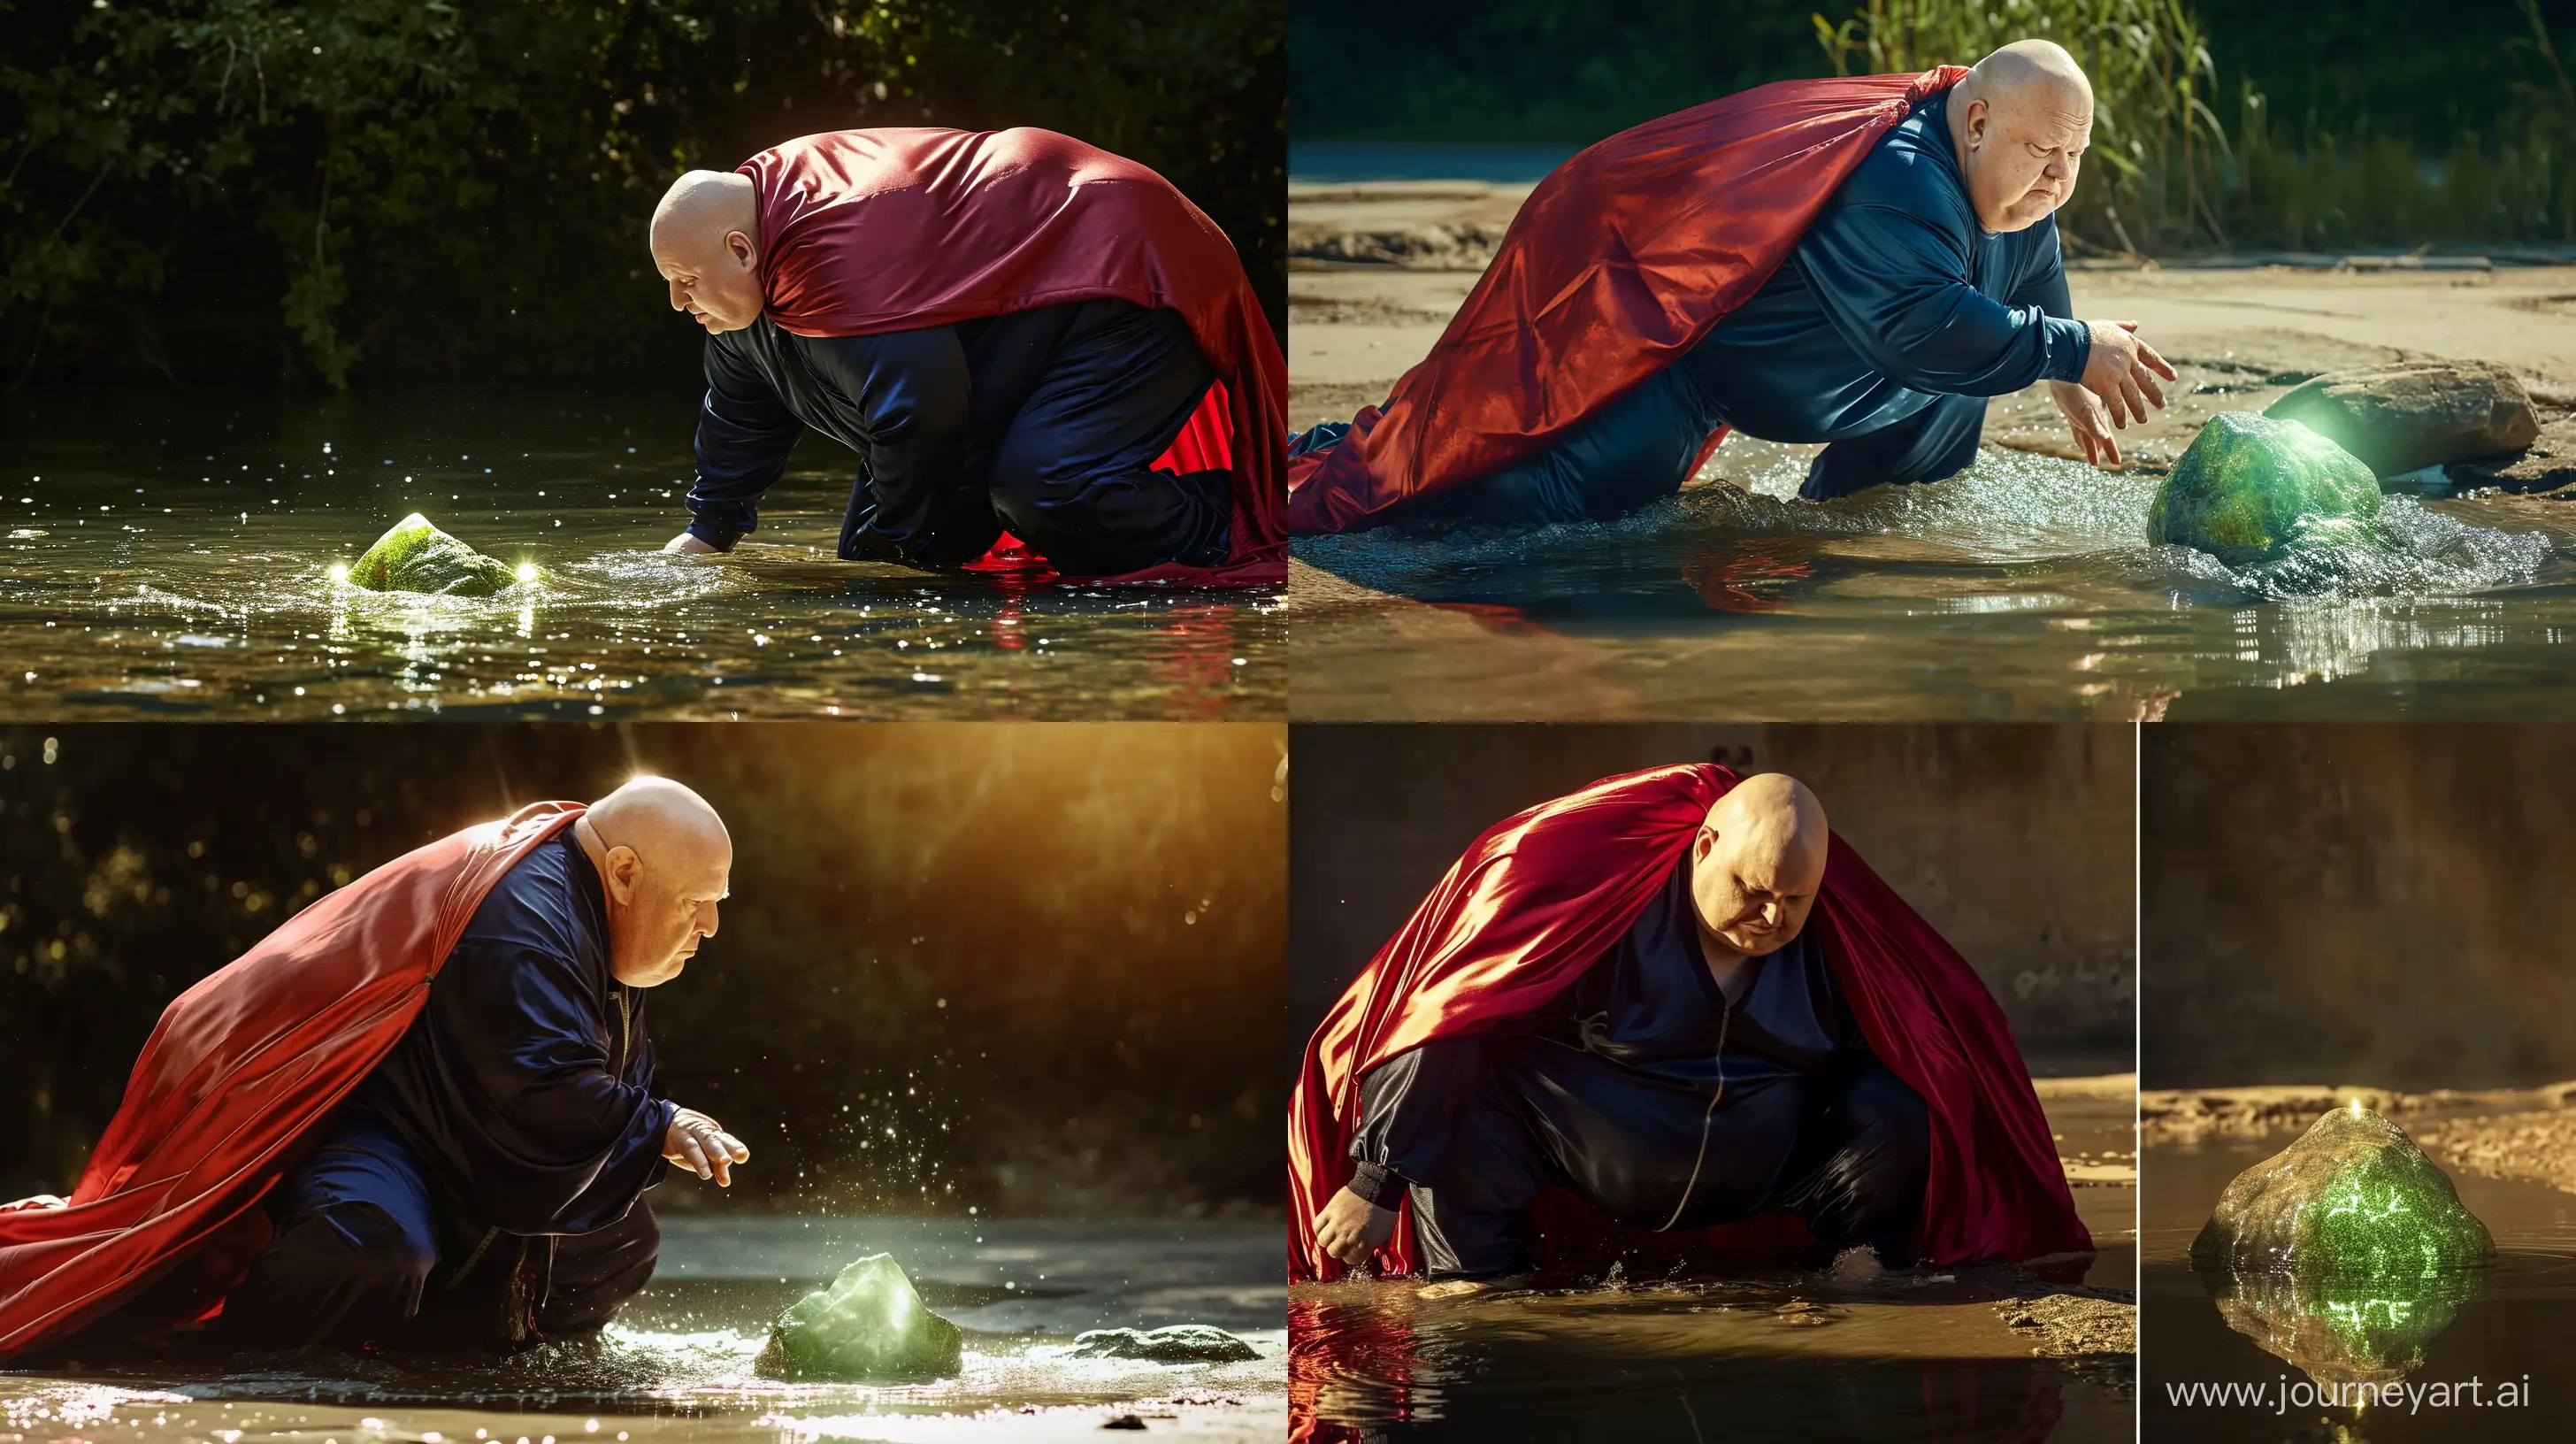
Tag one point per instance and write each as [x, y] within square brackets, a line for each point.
[1178, 1344]
[866, 1327]
[417, 557]
[2353, 1203]
[2249, 487]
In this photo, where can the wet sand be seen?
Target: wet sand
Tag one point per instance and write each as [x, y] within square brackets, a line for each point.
[1844, 635]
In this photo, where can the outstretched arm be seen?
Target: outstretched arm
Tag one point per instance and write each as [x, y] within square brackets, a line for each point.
[744, 434]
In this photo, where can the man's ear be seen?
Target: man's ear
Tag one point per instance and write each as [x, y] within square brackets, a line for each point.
[1979, 113]
[624, 868]
[1700, 844]
[739, 246]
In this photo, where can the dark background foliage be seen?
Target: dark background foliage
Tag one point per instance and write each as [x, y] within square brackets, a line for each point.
[1571, 72]
[1028, 969]
[2220, 123]
[206, 190]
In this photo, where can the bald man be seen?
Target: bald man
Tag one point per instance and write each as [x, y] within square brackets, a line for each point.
[1044, 421]
[1705, 1070]
[1930, 281]
[484, 1185]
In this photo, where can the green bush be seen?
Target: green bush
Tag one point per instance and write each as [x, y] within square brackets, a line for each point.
[209, 188]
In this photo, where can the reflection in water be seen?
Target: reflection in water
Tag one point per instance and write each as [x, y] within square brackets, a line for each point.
[176, 558]
[1906, 1356]
[2028, 574]
[2340, 1333]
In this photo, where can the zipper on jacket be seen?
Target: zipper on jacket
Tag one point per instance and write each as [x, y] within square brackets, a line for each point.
[1726, 1015]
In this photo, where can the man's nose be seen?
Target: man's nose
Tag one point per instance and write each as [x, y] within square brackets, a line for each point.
[679, 298]
[707, 922]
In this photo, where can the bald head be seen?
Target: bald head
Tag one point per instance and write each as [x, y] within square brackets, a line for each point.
[706, 244]
[2020, 123]
[664, 861]
[1757, 863]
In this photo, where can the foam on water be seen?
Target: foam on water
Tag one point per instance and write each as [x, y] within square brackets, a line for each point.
[2010, 509]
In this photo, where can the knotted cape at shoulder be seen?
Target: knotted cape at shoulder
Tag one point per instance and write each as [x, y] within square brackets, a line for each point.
[230, 1086]
[1541, 896]
[867, 231]
[1620, 261]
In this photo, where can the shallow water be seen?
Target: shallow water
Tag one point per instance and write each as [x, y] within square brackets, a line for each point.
[677, 1364]
[2021, 587]
[1911, 1355]
[170, 556]
[2511, 1326]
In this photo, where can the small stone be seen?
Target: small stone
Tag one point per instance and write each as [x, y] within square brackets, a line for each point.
[867, 1326]
[2415, 414]
[1123, 1421]
[1178, 1344]
[415, 556]
[2249, 488]
[2352, 1201]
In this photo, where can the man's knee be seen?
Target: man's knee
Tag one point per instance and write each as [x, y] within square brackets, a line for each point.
[1093, 522]
[344, 1268]
[596, 1274]
[1934, 444]
[1888, 1121]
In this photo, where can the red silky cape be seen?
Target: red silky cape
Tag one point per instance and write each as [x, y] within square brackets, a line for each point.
[1620, 261]
[241, 1068]
[863, 231]
[1541, 896]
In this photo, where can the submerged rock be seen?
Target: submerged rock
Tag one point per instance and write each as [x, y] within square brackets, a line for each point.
[866, 1327]
[1179, 1344]
[2250, 487]
[2415, 414]
[415, 556]
[2353, 1203]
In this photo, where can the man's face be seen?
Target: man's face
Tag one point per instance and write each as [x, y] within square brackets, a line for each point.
[1754, 898]
[658, 916]
[716, 279]
[2022, 155]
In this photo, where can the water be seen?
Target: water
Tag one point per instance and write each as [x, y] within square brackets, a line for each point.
[2509, 1326]
[676, 1367]
[1313, 164]
[1911, 1355]
[170, 556]
[2021, 588]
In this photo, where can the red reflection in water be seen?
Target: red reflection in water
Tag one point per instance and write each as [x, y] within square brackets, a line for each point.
[1506, 621]
[1196, 650]
[1006, 623]
[1748, 574]
[1329, 1346]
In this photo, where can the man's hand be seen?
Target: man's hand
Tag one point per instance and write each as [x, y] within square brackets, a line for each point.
[1350, 1228]
[2122, 370]
[688, 544]
[2087, 421]
[699, 1144]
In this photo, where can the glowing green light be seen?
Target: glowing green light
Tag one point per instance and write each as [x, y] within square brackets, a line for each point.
[2249, 487]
